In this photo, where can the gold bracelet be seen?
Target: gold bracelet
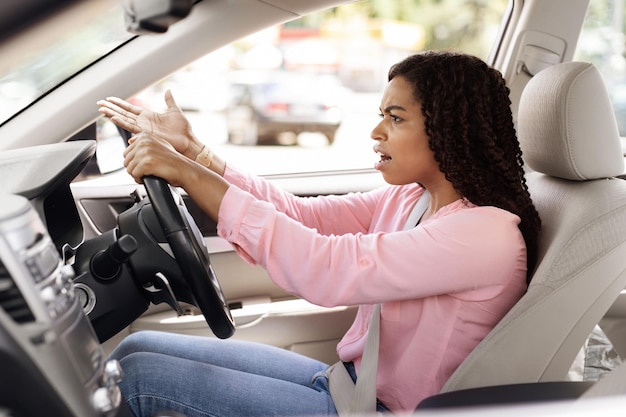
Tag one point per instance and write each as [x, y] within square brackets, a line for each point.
[205, 157]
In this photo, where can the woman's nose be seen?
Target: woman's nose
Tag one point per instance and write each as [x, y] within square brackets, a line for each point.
[377, 132]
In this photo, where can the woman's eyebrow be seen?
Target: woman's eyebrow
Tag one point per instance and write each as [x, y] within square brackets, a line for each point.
[392, 108]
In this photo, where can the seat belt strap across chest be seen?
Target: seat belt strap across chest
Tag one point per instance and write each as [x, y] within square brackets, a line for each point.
[360, 398]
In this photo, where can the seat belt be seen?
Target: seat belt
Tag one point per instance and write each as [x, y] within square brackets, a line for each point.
[360, 398]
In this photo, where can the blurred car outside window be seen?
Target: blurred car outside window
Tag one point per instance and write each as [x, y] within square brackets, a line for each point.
[304, 96]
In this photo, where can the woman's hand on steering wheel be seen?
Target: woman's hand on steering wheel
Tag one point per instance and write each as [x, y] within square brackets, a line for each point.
[151, 155]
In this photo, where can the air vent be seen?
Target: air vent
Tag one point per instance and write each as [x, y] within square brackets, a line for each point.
[11, 300]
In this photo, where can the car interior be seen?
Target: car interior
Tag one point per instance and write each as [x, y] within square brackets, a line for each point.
[88, 257]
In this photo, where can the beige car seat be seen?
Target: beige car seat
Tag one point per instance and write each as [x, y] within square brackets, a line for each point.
[570, 140]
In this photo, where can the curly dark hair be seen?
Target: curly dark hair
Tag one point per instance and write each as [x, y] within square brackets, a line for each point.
[469, 124]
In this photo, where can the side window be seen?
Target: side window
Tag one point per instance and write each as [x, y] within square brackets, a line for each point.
[601, 42]
[304, 96]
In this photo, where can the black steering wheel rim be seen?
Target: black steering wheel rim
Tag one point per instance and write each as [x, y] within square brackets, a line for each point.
[192, 258]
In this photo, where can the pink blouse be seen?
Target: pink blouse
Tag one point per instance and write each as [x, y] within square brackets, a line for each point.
[443, 285]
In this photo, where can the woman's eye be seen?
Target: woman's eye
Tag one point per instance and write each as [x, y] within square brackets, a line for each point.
[393, 118]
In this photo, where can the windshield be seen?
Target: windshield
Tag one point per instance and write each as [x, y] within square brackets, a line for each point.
[93, 29]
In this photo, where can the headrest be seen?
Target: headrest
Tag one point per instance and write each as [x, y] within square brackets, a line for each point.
[566, 125]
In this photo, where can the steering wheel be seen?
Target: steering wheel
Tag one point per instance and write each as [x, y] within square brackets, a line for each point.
[191, 255]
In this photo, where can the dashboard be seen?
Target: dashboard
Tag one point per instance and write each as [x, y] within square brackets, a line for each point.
[43, 174]
[63, 293]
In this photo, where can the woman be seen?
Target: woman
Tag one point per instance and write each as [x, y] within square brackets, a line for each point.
[446, 128]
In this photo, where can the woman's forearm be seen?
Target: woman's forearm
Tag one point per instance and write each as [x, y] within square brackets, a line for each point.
[206, 188]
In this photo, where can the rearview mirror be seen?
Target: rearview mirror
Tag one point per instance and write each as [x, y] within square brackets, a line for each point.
[154, 16]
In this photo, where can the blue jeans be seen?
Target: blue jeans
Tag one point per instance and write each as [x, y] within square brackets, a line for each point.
[200, 376]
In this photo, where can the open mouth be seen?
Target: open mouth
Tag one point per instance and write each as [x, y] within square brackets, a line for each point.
[384, 159]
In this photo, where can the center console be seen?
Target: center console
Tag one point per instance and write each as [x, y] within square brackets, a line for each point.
[51, 359]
